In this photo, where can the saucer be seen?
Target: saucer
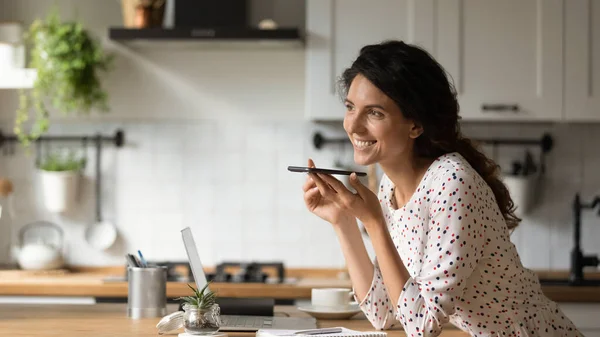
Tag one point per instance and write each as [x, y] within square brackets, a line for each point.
[330, 313]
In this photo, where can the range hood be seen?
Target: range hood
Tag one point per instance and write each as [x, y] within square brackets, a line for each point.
[193, 21]
[217, 33]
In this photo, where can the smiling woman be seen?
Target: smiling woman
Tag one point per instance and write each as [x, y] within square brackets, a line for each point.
[440, 222]
[374, 123]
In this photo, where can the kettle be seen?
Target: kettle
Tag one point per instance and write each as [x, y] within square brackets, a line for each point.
[40, 246]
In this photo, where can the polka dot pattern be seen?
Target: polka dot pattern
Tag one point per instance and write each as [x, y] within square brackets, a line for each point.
[464, 270]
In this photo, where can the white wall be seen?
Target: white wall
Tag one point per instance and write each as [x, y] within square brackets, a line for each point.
[210, 132]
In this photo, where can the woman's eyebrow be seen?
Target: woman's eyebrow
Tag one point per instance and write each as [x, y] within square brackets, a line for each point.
[375, 106]
[367, 106]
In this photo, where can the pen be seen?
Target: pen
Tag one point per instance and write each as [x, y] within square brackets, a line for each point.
[130, 261]
[137, 261]
[318, 331]
[144, 263]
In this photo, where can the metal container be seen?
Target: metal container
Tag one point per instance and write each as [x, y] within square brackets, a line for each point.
[147, 292]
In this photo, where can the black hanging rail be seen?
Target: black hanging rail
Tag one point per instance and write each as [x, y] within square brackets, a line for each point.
[118, 139]
[545, 143]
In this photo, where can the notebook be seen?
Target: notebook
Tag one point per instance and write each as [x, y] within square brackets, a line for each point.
[326, 332]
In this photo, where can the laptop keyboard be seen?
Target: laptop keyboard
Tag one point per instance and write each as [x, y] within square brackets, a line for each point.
[246, 322]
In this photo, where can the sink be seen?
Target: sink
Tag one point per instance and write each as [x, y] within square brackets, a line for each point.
[566, 282]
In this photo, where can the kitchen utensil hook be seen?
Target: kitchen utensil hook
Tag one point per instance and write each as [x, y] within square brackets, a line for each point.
[38, 153]
[100, 235]
[98, 144]
[85, 154]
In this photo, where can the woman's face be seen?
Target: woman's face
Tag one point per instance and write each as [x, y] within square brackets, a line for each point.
[378, 130]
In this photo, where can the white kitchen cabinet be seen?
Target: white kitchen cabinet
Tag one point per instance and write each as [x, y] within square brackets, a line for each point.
[337, 29]
[582, 60]
[505, 57]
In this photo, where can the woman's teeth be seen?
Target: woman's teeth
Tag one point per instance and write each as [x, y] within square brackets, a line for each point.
[362, 144]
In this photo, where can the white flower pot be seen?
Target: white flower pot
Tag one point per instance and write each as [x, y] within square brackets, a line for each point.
[60, 189]
[522, 191]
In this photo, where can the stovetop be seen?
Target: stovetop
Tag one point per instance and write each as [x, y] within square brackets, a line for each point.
[248, 272]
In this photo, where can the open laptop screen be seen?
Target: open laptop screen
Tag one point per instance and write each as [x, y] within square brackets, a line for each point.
[193, 257]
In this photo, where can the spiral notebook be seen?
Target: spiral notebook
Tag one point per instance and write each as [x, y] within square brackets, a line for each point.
[326, 332]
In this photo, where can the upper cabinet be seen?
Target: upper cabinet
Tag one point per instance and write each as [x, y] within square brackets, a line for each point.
[582, 60]
[505, 57]
[336, 30]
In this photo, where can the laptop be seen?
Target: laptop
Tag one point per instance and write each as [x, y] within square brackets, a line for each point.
[240, 322]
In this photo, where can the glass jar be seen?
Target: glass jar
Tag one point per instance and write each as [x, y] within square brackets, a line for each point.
[198, 321]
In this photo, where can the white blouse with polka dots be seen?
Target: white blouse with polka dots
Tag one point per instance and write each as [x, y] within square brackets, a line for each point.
[455, 244]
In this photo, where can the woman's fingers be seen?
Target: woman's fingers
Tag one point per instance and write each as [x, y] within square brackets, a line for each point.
[324, 187]
[345, 195]
[361, 189]
[337, 185]
[310, 194]
[308, 184]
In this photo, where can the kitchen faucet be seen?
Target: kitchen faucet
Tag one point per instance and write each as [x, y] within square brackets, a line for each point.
[578, 260]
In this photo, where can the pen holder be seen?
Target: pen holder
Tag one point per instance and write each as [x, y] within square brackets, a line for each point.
[147, 292]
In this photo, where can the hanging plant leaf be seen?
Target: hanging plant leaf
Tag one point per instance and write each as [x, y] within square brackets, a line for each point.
[68, 61]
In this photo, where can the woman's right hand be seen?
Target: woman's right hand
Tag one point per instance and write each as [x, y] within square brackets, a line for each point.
[320, 206]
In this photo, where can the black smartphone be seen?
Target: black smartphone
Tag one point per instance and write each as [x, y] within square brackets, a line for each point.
[322, 170]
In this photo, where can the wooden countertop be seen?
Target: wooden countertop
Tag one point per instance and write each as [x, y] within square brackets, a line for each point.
[91, 283]
[94, 284]
[111, 320]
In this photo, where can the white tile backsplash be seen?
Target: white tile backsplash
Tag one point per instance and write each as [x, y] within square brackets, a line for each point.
[200, 136]
[167, 167]
[230, 167]
[258, 197]
[260, 137]
[242, 203]
[199, 166]
[259, 166]
[169, 140]
[263, 234]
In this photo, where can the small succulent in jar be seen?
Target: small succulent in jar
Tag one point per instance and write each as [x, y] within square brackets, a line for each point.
[201, 312]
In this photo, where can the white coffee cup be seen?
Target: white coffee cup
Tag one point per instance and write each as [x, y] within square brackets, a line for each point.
[333, 298]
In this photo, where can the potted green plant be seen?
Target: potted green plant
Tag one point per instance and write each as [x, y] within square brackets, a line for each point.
[201, 312]
[68, 61]
[60, 178]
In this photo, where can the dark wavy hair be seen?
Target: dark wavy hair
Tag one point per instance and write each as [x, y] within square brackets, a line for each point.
[419, 85]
